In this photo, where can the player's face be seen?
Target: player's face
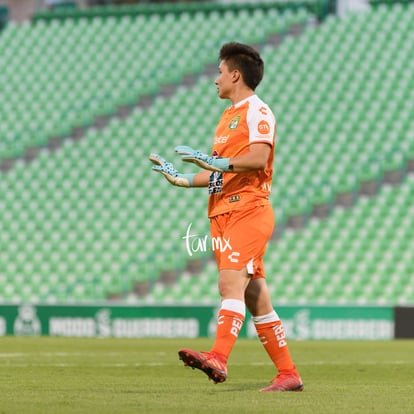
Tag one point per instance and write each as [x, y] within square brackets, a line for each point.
[224, 81]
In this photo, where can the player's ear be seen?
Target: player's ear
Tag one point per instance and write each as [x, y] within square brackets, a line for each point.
[236, 75]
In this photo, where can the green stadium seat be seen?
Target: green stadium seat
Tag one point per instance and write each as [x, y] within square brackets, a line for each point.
[90, 220]
[83, 69]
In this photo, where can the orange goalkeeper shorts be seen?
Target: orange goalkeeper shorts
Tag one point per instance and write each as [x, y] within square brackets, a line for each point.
[240, 237]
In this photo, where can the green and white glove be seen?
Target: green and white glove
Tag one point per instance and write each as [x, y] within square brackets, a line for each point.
[205, 161]
[170, 173]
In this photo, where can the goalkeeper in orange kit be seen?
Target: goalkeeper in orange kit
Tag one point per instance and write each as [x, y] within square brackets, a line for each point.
[238, 174]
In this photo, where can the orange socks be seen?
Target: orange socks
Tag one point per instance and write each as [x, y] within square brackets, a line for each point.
[230, 321]
[272, 335]
[269, 329]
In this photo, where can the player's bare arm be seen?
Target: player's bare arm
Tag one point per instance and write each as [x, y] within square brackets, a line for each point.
[201, 179]
[255, 159]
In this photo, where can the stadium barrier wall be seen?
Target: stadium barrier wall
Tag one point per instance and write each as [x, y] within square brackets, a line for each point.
[4, 16]
[301, 322]
[404, 322]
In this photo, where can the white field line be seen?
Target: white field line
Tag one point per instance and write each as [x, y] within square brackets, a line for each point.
[60, 354]
[15, 360]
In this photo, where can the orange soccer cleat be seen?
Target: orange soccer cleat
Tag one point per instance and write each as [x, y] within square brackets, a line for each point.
[285, 381]
[209, 362]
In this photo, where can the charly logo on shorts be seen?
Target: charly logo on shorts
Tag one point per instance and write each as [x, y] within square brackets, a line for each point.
[233, 257]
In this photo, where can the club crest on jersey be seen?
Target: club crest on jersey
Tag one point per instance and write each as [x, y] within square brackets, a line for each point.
[234, 123]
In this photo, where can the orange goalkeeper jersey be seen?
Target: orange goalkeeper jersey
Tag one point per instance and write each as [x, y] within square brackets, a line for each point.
[249, 121]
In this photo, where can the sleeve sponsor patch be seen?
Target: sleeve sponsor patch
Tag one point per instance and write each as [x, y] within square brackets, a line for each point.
[263, 127]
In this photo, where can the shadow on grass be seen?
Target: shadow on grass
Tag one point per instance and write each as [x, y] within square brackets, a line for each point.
[238, 387]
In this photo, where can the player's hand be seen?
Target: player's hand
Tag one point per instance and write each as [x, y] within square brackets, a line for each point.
[169, 172]
[204, 161]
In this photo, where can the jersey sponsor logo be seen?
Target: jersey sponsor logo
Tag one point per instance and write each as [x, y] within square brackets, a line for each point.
[263, 110]
[221, 140]
[263, 127]
[234, 123]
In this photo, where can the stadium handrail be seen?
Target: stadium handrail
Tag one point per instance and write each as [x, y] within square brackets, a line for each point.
[375, 3]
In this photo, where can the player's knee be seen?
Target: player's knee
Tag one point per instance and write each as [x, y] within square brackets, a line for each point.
[232, 284]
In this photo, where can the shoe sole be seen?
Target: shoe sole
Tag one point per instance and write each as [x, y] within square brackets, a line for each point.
[299, 388]
[190, 360]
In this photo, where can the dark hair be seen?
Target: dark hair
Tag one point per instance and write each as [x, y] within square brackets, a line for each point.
[245, 59]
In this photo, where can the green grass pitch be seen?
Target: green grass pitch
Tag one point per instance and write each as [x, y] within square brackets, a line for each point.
[61, 375]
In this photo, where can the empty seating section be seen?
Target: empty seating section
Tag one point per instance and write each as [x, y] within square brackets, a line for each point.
[90, 218]
[344, 100]
[58, 75]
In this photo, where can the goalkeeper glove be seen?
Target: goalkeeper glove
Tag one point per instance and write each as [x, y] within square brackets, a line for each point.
[170, 173]
[205, 161]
